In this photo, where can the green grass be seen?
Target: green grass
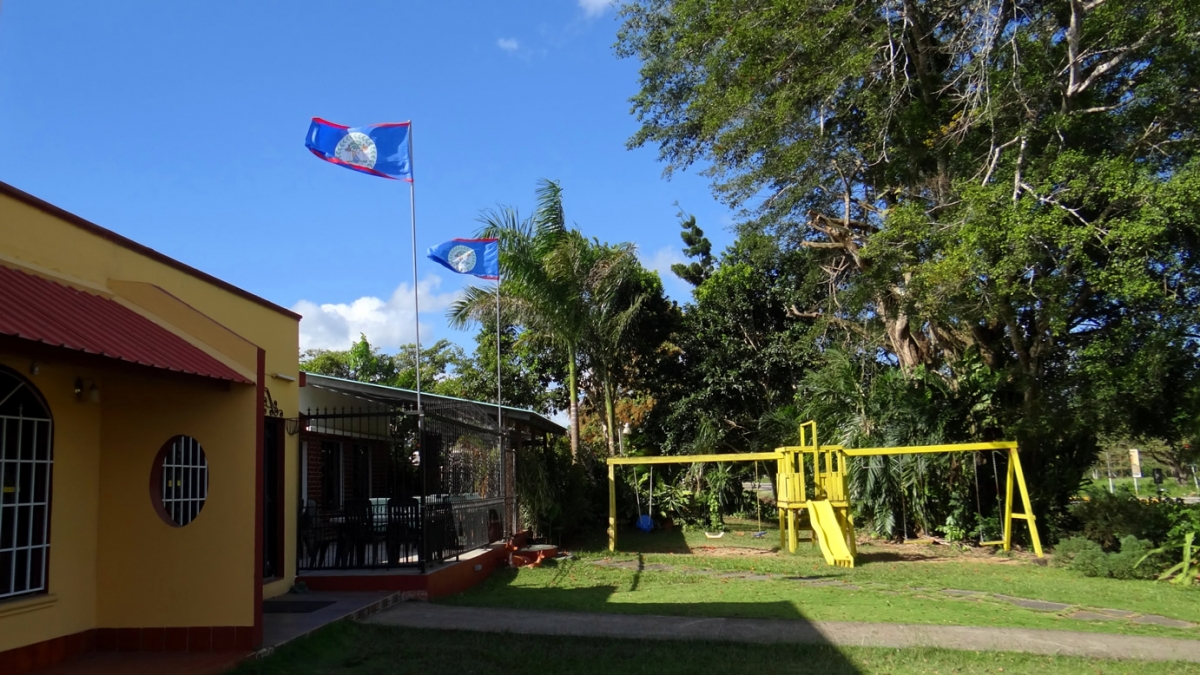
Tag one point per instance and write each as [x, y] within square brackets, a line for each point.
[363, 649]
[1147, 488]
[895, 585]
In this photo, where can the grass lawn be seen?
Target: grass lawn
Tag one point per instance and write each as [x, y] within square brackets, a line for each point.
[362, 649]
[891, 583]
[1147, 489]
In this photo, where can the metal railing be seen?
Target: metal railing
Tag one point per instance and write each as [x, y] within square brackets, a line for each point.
[394, 533]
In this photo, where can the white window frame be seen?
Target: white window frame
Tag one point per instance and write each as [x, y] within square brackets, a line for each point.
[14, 468]
[190, 472]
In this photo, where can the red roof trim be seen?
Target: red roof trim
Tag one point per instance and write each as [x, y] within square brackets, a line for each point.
[140, 249]
[40, 310]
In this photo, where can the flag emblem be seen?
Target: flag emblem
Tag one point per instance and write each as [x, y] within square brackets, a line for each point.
[480, 257]
[462, 258]
[383, 150]
[357, 149]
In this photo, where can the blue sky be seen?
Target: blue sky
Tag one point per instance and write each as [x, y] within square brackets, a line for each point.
[181, 125]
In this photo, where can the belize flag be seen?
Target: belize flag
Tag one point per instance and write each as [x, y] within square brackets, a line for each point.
[480, 257]
[383, 150]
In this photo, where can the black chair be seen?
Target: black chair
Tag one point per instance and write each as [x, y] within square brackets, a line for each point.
[356, 534]
[442, 540]
[316, 536]
[403, 533]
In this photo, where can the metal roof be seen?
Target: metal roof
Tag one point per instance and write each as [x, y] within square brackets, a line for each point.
[381, 392]
[41, 310]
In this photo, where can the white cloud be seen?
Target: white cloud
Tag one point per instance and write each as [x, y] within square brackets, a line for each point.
[507, 44]
[596, 7]
[661, 262]
[386, 323]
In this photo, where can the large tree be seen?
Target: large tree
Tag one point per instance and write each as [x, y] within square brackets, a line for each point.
[531, 367]
[1005, 182]
[440, 364]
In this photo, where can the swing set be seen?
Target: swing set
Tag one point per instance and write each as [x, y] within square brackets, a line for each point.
[823, 506]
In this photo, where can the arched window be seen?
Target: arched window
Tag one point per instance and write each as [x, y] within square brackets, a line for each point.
[26, 441]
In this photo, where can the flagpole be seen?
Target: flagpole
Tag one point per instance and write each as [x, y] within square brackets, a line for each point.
[500, 419]
[412, 201]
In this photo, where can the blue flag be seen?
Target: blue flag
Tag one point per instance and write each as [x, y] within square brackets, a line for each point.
[480, 257]
[383, 150]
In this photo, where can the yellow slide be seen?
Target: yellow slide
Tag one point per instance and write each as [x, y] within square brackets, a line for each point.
[829, 533]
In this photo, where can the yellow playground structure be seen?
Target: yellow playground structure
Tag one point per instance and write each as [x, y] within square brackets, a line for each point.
[823, 507]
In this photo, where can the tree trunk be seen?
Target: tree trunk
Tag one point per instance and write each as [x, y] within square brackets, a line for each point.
[573, 394]
[610, 418]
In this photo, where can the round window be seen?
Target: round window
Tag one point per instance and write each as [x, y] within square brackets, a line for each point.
[179, 481]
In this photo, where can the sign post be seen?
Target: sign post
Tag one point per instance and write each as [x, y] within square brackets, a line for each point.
[1135, 468]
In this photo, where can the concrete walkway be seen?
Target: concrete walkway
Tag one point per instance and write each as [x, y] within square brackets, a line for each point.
[842, 634]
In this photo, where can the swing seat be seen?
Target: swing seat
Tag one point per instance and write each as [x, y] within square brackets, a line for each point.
[645, 523]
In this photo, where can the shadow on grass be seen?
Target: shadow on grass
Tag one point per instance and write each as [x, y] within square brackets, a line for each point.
[349, 648]
[598, 599]
[658, 541]
[891, 556]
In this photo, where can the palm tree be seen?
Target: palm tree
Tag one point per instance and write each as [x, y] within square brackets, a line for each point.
[531, 292]
[581, 293]
[608, 276]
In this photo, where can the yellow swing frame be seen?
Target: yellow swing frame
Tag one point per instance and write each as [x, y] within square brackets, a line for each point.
[830, 492]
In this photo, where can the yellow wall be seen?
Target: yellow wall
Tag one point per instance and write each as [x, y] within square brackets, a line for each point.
[154, 574]
[72, 573]
[149, 573]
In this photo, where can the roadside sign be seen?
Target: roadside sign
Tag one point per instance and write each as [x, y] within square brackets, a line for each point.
[1135, 463]
[1158, 476]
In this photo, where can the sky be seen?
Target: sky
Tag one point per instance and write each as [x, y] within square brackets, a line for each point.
[181, 126]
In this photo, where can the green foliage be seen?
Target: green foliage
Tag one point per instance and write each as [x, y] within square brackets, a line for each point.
[673, 502]
[560, 497]
[1187, 570]
[530, 367]
[585, 298]
[1007, 202]
[1108, 518]
[739, 354]
[440, 364]
[1133, 559]
[697, 246]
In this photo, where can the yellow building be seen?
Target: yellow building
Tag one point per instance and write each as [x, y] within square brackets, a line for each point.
[142, 446]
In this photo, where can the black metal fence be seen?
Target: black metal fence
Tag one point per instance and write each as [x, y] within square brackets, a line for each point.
[376, 499]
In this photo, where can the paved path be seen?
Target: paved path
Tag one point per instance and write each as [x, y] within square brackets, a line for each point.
[1070, 643]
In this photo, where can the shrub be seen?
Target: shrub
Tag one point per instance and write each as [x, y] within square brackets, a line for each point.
[1107, 518]
[1183, 519]
[1069, 549]
[1089, 559]
[1124, 563]
[1187, 570]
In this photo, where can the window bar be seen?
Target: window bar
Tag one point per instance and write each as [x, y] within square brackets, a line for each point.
[190, 472]
[204, 484]
[29, 501]
[12, 573]
[46, 511]
[3, 508]
[192, 479]
[178, 491]
[169, 470]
